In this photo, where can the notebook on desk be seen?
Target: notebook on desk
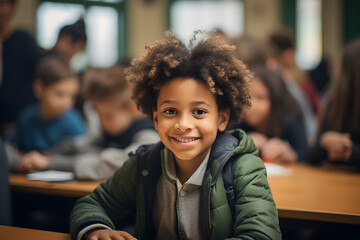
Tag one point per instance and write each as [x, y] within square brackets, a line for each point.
[51, 176]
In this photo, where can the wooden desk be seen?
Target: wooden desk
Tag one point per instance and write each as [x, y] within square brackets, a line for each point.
[307, 193]
[14, 233]
[318, 193]
[18, 182]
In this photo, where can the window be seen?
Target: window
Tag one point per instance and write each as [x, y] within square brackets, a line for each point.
[308, 33]
[104, 27]
[103, 37]
[188, 16]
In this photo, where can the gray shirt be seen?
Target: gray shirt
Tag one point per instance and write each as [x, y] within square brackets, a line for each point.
[176, 203]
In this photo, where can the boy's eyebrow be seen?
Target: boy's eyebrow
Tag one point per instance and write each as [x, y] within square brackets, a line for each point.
[192, 103]
[201, 102]
[168, 102]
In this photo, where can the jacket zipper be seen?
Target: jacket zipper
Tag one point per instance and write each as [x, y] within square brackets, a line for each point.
[176, 209]
[209, 210]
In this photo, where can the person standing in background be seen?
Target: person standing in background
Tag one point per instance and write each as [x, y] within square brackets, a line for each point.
[71, 40]
[19, 56]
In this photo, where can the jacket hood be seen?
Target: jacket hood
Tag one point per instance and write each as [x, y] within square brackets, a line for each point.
[231, 143]
[246, 144]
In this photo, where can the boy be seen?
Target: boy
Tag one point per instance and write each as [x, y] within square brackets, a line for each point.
[124, 129]
[176, 187]
[46, 126]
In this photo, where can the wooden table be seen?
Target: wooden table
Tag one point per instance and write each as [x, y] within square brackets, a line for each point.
[329, 194]
[14, 233]
[18, 182]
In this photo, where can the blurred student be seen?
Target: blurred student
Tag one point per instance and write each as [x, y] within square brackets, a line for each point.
[253, 53]
[19, 55]
[124, 129]
[274, 120]
[281, 51]
[46, 126]
[71, 40]
[321, 76]
[339, 134]
[249, 50]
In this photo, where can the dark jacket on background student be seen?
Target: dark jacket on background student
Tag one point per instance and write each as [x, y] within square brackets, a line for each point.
[5, 206]
[20, 55]
[293, 132]
[132, 189]
[317, 153]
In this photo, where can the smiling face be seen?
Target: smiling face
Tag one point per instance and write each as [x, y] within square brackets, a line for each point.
[187, 118]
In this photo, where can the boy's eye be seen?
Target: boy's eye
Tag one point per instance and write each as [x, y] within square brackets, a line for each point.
[170, 111]
[199, 112]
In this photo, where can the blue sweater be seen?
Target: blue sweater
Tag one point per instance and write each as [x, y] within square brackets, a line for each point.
[33, 133]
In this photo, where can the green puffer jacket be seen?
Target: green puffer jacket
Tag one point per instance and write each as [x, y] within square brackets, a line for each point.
[131, 190]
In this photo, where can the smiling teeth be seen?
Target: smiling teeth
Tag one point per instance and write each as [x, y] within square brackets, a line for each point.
[185, 140]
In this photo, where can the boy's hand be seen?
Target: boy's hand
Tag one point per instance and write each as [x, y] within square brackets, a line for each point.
[278, 150]
[33, 161]
[338, 145]
[107, 234]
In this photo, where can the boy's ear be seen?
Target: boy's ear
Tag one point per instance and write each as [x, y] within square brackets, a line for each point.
[38, 88]
[224, 116]
[155, 120]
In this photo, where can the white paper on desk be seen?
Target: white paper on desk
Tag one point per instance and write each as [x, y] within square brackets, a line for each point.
[273, 169]
[51, 176]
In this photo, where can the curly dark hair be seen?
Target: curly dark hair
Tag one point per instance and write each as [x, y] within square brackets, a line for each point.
[211, 61]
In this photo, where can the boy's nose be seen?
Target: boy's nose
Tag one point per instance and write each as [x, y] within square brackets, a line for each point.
[184, 123]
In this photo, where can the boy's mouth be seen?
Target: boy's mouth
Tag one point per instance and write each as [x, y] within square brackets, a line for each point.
[185, 140]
